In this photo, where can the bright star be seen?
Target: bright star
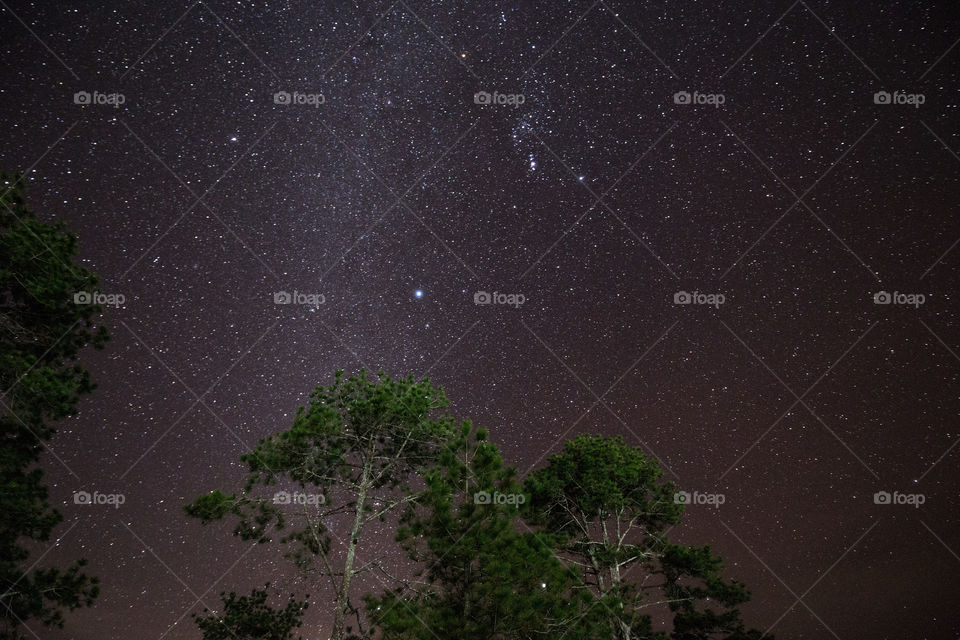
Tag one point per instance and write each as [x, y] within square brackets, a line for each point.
[418, 293]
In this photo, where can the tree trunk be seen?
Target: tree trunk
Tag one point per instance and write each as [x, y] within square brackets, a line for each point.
[340, 612]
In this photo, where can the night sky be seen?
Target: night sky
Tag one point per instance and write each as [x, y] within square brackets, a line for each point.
[586, 186]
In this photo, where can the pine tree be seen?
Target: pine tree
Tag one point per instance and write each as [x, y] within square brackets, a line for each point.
[42, 330]
[251, 618]
[610, 509]
[482, 578]
[355, 450]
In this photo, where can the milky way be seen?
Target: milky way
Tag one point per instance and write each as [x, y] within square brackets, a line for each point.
[395, 165]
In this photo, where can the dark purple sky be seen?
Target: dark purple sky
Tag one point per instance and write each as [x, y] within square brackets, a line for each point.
[598, 199]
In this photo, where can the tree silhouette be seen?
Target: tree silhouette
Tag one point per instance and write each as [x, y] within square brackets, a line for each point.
[42, 330]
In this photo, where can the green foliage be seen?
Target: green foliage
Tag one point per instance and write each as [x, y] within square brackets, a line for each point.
[484, 579]
[596, 477]
[356, 446]
[41, 334]
[355, 416]
[557, 566]
[251, 618]
[548, 560]
[610, 509]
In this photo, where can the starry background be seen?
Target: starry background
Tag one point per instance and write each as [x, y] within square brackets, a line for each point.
[598, 199]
